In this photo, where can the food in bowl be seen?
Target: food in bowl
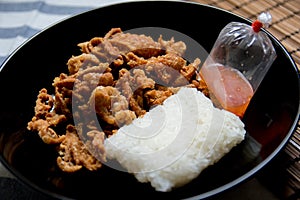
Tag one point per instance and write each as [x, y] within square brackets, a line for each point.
[194, 136]
[118, 81]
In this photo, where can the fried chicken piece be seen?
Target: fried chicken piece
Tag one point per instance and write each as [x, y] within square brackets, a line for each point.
[172, 60]
[129, 82]
[106, 79]
[44, 120]
[64, 81]
[132, 86]
[82, 61]
[87, 80]
[119, 76]
[63, 93]
[46, 133]
[87, 47]
[110, 105]
[140, 44]
[201, 86]
[136, 103]
[169, 69]
[157, 97]
[171, 46]
[141, 81]
[116, 43]
[44, 104]
[190, 70]
[73, 155]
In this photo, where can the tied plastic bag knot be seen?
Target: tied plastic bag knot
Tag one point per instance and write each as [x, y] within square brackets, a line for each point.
[263, 20]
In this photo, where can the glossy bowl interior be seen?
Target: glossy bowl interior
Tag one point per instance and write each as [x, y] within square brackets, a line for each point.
[270, 118]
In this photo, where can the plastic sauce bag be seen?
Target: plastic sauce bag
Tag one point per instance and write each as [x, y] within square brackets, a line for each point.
[238, 61]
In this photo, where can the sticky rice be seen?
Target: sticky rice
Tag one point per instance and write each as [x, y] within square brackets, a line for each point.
[173, 143]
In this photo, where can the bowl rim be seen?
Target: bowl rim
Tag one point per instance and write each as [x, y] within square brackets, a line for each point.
[218, 190]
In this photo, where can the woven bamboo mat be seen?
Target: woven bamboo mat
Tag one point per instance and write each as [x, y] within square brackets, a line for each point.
[285, 13]
[286, 28]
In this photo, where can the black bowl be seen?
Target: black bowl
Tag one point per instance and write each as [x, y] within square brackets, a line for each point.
[270, 118]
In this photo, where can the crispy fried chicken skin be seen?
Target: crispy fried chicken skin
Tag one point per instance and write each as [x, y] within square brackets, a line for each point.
[116, 78]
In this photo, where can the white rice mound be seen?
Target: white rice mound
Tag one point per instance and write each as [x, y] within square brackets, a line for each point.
[173, 143]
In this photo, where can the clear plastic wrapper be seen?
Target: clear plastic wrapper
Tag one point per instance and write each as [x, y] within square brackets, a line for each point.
[237, 63]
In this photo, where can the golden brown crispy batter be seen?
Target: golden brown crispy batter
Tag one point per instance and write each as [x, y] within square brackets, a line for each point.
[118, 78]
[44, 120]
[73, 155]
[111, 106]
[157, 97]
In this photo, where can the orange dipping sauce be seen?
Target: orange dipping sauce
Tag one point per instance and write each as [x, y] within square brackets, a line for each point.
[229, 87]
